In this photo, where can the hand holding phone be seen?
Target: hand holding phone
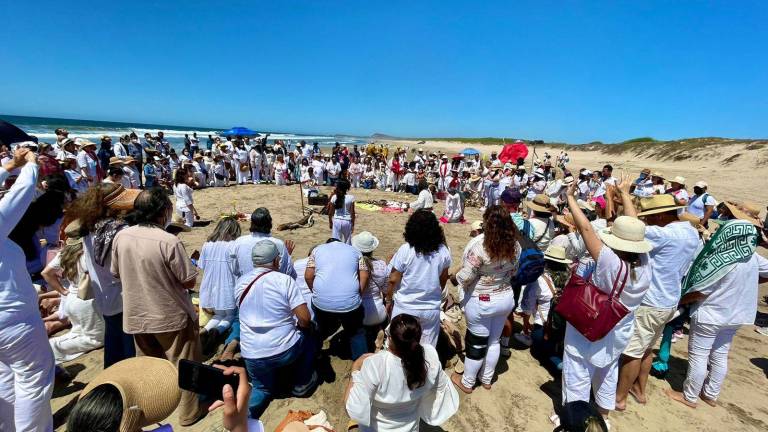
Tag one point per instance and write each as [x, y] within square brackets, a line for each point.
[205, 380]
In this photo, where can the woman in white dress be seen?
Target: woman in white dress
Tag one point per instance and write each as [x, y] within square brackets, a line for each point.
[373, 294]
[185, 205]
[489, 264]
[64, 274]
[395, 388]
[279, 170]
[454, 207]
[620, 253]
[240, 158]
[341, 214]
[420, 270]
[217, 289]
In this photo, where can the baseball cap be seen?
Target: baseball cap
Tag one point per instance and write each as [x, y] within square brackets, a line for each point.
[511, 196]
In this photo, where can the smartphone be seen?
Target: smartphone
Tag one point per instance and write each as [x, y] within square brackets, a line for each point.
[205, 380]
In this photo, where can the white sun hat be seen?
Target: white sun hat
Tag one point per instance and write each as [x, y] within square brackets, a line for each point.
[365, 242]
[556, 254]
[627, 234]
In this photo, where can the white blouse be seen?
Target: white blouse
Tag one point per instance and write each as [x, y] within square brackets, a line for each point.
[380, 399]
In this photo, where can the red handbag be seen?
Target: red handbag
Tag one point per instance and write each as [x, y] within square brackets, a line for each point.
[591, 311]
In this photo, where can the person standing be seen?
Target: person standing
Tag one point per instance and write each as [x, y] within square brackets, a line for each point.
[489, 264]
[420, 270]
[341, 214]
[185, 205]
[157, 275]
[255, 156]
[674, 246]
[137, 153]
[26, 359]
[88, 162]
[194, 144]
[701, 204]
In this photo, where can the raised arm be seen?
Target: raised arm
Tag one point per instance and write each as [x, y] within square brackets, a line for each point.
[626, 199]
[588, 234]
[21, 194]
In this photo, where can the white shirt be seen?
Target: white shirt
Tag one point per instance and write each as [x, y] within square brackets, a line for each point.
[602, 188]
[337, 285]
[732, 300]
[603, 352]
[674, 248]
[697, 206]
[267, 323]
[345, 212]
[380, 399]
[107, 289]
[423, 201]
[183, 194]
[420, 286]
[241, 261]
[543, 231]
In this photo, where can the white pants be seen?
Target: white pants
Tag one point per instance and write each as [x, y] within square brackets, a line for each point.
[486, 318]
[708, 345]
[26, 378]
[221, 320]
[342, 230]
[242, 176]
[355, 180]
[429, 319]
[188, 216]
[255, 174]
[393, 181]
[580, 376]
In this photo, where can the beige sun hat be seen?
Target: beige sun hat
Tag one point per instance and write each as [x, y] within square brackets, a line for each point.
[586, 205]
[477, 225]
[73, 233]
[147, 383]
[121, 198]
[365, 242]
[540, 203]
[556, 254]
[627, 234]
[744, 211]
[114, 160]
[658, 174]
[83, 143]
[658, 204]
[678, 179]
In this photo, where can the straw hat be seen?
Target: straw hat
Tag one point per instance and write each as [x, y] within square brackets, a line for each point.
[568, 181]
[745, 211]
[73, 234]
[658, 204]
[365, 242]
[556, 254]
[474, 177]
[540, 203]
[83, 143]
[701, 184]
[179, 223]
[477, 225]
[114, 160]
[121, 198]
[147, 383]
[128, 160]
[678, 179]
[627, 234]
[586, 205]
[658, 174]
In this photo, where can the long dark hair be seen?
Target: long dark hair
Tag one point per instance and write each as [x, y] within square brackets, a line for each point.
[100, 410]
[501, 234]
[342, 186]
[423, 232]
[405, 332]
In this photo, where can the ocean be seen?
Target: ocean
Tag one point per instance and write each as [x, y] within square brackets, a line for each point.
[43, 128]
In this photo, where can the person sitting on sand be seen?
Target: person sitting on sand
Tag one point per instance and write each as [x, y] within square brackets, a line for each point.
[488, 266]
[218, 284]
[419, 273]
[674, 247]
[373, 293]
[454, 207]
[274, 324]
[722, 301]
[395, 388]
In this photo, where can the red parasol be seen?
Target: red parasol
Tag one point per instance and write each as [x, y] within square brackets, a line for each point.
[513, 153]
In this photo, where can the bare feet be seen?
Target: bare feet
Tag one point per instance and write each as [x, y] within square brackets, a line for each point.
[456, 379]
[677, 396]
[487, 386]
[620, 406]
[708, 401]
[639, 398]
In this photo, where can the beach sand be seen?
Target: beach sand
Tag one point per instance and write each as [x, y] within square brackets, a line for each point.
[524, 395]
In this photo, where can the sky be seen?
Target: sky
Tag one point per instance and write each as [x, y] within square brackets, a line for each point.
[569, 71]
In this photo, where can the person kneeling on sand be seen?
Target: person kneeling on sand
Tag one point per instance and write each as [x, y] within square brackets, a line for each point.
[274, 328]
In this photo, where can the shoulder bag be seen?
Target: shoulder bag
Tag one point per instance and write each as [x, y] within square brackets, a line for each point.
[250, 285]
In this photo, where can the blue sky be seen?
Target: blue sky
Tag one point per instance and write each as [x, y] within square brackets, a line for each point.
[573, 71]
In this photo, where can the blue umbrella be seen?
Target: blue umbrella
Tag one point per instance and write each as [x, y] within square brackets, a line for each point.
[242, 131]
[470, 151]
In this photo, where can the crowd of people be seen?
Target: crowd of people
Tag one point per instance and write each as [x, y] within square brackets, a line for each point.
[94, 250]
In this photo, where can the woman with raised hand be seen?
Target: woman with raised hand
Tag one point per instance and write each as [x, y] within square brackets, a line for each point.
[395, 388]
[489, 263]
[419, 273]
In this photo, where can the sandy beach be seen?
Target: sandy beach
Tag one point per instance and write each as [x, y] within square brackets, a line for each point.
[524, 395]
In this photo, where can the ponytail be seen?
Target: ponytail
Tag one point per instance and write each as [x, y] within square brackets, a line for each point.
[406, 337]
[342, 186]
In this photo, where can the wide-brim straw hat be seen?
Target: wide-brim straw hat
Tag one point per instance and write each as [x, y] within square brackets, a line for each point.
[540, 203]
[83, 143]
[556, 254]
[121, 198]
[658, 204]
[365, 242]
[73, 233]
[586, 205]
[658, 174]
[627, 234]
[745, 212]
[114, 160]
[679, 180]
[179, 223]
[149, 383]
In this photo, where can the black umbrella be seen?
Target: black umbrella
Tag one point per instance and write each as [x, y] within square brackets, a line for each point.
[10, 134]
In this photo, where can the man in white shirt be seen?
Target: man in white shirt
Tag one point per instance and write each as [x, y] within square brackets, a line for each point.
[261, 228]
[675, 243]
[336, 274]
[541, 220]
[607, 179]
[701, 204]
[273, 321]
